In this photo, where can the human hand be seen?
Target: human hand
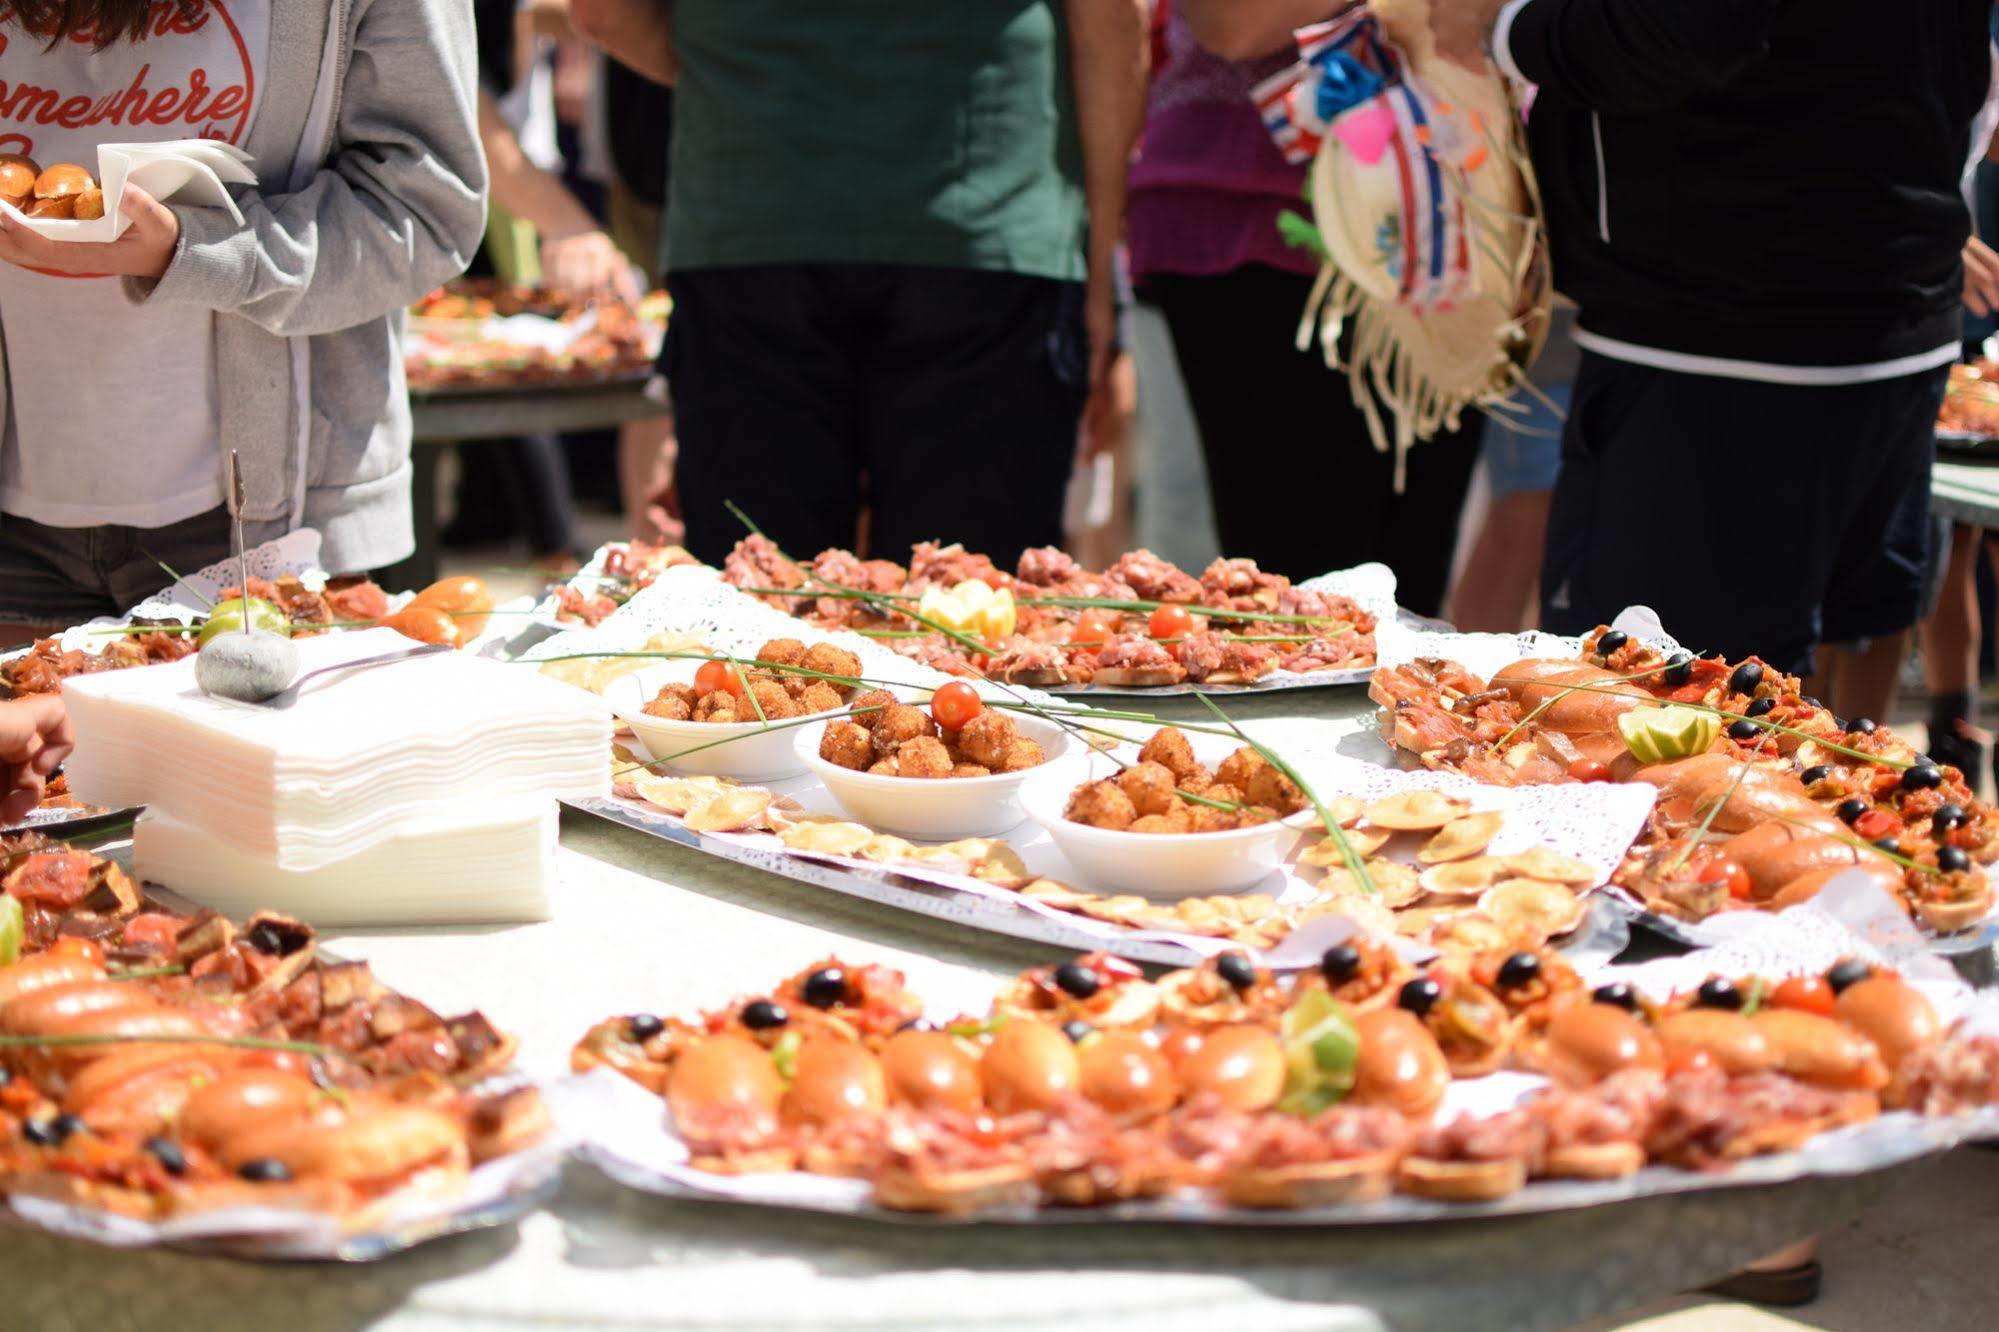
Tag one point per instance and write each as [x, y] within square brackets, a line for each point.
[144, 251]
[589, 264]
[34, 740]
[1981, 278]
[1100, 320]
[1463, 29]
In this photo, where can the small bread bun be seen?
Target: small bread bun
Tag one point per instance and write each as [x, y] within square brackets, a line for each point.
[1460, 1181]
[56, 210]
[89, 205]
[1598, 1160]
[17, 178]
[63, 180]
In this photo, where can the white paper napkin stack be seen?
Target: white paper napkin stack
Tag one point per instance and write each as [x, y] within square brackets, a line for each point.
[428, 763]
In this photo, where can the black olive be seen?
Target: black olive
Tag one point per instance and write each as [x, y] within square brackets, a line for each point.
[264, 1170]
[1757, 707]
[763, 1015]
[1947, 818]
[1419, 996]
[1811, 701]
[266, 938]
[1847, 971]
[1078, 980]
[917, 1024]
[1077, 1031]
[825, 987]
[1746, 677]
[1892, 845]
[48, 1132]
[168, 1153]
[1813, 776]
[1922, 777]
[1236, 969]
[5, 1077]
[1611, 640]
[644, 1026]
[1953, 860]
[1340, 963]
[1744, 730]
[1718, 992]
[1618, 994]
[1679, 669]
[1861, 726]
[1519, 969]
[1851, 808]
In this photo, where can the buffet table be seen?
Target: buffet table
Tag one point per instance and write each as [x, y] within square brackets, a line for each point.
[642, 924]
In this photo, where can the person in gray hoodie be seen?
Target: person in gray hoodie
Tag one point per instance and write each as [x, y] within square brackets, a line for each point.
[129, 367]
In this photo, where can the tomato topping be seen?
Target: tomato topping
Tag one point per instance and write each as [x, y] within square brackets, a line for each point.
[1170, 622]
[1589, 770]
[1727, 872]
[87, 950]
[426, 624]
[1093, 629]
[1689, 1060]
[152, 927]
[1876, 823]
[1811, 993]
[955, 704]
[997, 579]
[718, 677]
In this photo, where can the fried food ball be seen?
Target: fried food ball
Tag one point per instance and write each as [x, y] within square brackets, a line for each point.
[1023, 755]
[1260, 782]
[1153, 823]
[782, 652]
[1180, 818]
[674, 702]
[885, 768]
[829, 660]
[870, 707]
[1251, 815]
[1101, 805]
[925, 756]
[1169, 748]
[1206, 818]
[771, 701]
[986, 738]
[900, 722]
[818, 696]
[1150, 786]
[971, 770]
[848, 745]
[719, 706]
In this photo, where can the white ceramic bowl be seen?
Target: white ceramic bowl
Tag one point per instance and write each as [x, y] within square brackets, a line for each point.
[935, 810]
[1166, 867]
[754, 752]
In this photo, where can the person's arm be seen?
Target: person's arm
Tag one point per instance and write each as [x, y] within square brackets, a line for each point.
[397, 209]
[34, 740]
[1251, 29]
[1107, 64]
[576, 254]
[635, 33]
[1621, 57]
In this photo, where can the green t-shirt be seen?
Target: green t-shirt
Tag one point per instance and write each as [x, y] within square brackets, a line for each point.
[938, 132]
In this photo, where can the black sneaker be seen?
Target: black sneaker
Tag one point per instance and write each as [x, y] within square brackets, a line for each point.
[1960, 745]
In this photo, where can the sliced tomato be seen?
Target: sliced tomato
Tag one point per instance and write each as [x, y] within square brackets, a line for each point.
[1589, 770]
[1810, 993]
[1876, 823]
[1729, 873]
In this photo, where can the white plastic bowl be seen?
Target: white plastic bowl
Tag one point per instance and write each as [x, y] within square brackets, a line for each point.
[1165, 867]
[940, 809]
[754, 752]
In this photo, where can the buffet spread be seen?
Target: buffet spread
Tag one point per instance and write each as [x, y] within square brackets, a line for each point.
[1390, 986]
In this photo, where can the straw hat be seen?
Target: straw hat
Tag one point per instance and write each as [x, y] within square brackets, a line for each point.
[1428, 216]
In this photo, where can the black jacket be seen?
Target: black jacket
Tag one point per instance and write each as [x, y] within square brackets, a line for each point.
[1775, 181]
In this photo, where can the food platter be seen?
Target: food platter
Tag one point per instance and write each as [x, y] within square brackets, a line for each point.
[477, 338]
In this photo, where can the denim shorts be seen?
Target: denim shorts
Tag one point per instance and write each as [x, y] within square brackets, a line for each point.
[1524, 452]
[59, 576]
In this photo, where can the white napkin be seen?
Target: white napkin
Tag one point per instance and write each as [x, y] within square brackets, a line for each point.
[187, 171]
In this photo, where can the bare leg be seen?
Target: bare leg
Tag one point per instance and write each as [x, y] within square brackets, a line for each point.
[1949, 642]
[1860, 682]
[1496, 591]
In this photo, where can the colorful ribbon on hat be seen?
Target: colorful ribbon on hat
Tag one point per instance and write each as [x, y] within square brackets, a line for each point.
[1353, 85]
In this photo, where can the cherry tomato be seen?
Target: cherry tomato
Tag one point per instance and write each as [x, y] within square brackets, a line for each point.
[1729, 873]
[85, 950]
[1170, 622]
[718, 677]
[997, 579]
[1876, 823]
[955, 704]
[1093, 629]
[1688, 1060]
[426, 624]
[465, 599]
[1810, 993]
[1589, 770]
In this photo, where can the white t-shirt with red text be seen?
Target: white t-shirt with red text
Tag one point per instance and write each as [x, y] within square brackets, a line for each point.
[112, 408]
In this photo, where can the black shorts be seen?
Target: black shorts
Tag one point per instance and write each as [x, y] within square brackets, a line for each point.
[1754, 518]
[945, 401]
